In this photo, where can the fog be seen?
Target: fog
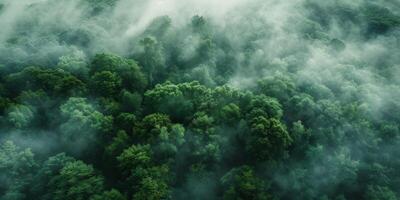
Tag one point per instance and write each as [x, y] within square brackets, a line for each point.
[328, 54]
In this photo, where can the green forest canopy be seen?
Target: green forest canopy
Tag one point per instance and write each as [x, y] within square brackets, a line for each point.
[245, 111]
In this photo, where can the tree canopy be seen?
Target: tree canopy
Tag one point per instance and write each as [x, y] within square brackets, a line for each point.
[216, 100]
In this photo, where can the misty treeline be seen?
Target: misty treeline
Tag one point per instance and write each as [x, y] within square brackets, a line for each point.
[256, 100]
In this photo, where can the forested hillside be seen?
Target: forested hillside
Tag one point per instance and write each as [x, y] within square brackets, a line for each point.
[199, 100]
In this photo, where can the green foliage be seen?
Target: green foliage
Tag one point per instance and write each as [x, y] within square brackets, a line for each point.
[169, 99]
[99, 6]
[302, 107]
[152, 190]
[242, 183]
[57, 82]
[203, 124]
[83, 124]
[131, 102]
[109, 195]
[118, 144]
[200, 108]
[150, 183]
[79, 112]
[16, 169]
[153, 125]
[159, 26]
[337, 44]
[76, 181]
[14, 161]
[20, 116]
[280, 87]
[264, 106]
[4, 104]
[230, 113]
[75, 64]
[199, 25]
[50, 168]
[33, 98]
[134, 157]
[268, 139]
[380, 19]
[375, 192]
[301, 139]
[106, 83]
[169, 142]
[152, 59]
[128, 70]
[126, 121]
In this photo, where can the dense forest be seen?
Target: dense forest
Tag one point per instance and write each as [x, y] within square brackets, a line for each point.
[201, 100]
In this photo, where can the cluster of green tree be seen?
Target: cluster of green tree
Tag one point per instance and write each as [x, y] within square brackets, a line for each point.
[163, 123]
[123, 140]
[373, 18]
[143, 143]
